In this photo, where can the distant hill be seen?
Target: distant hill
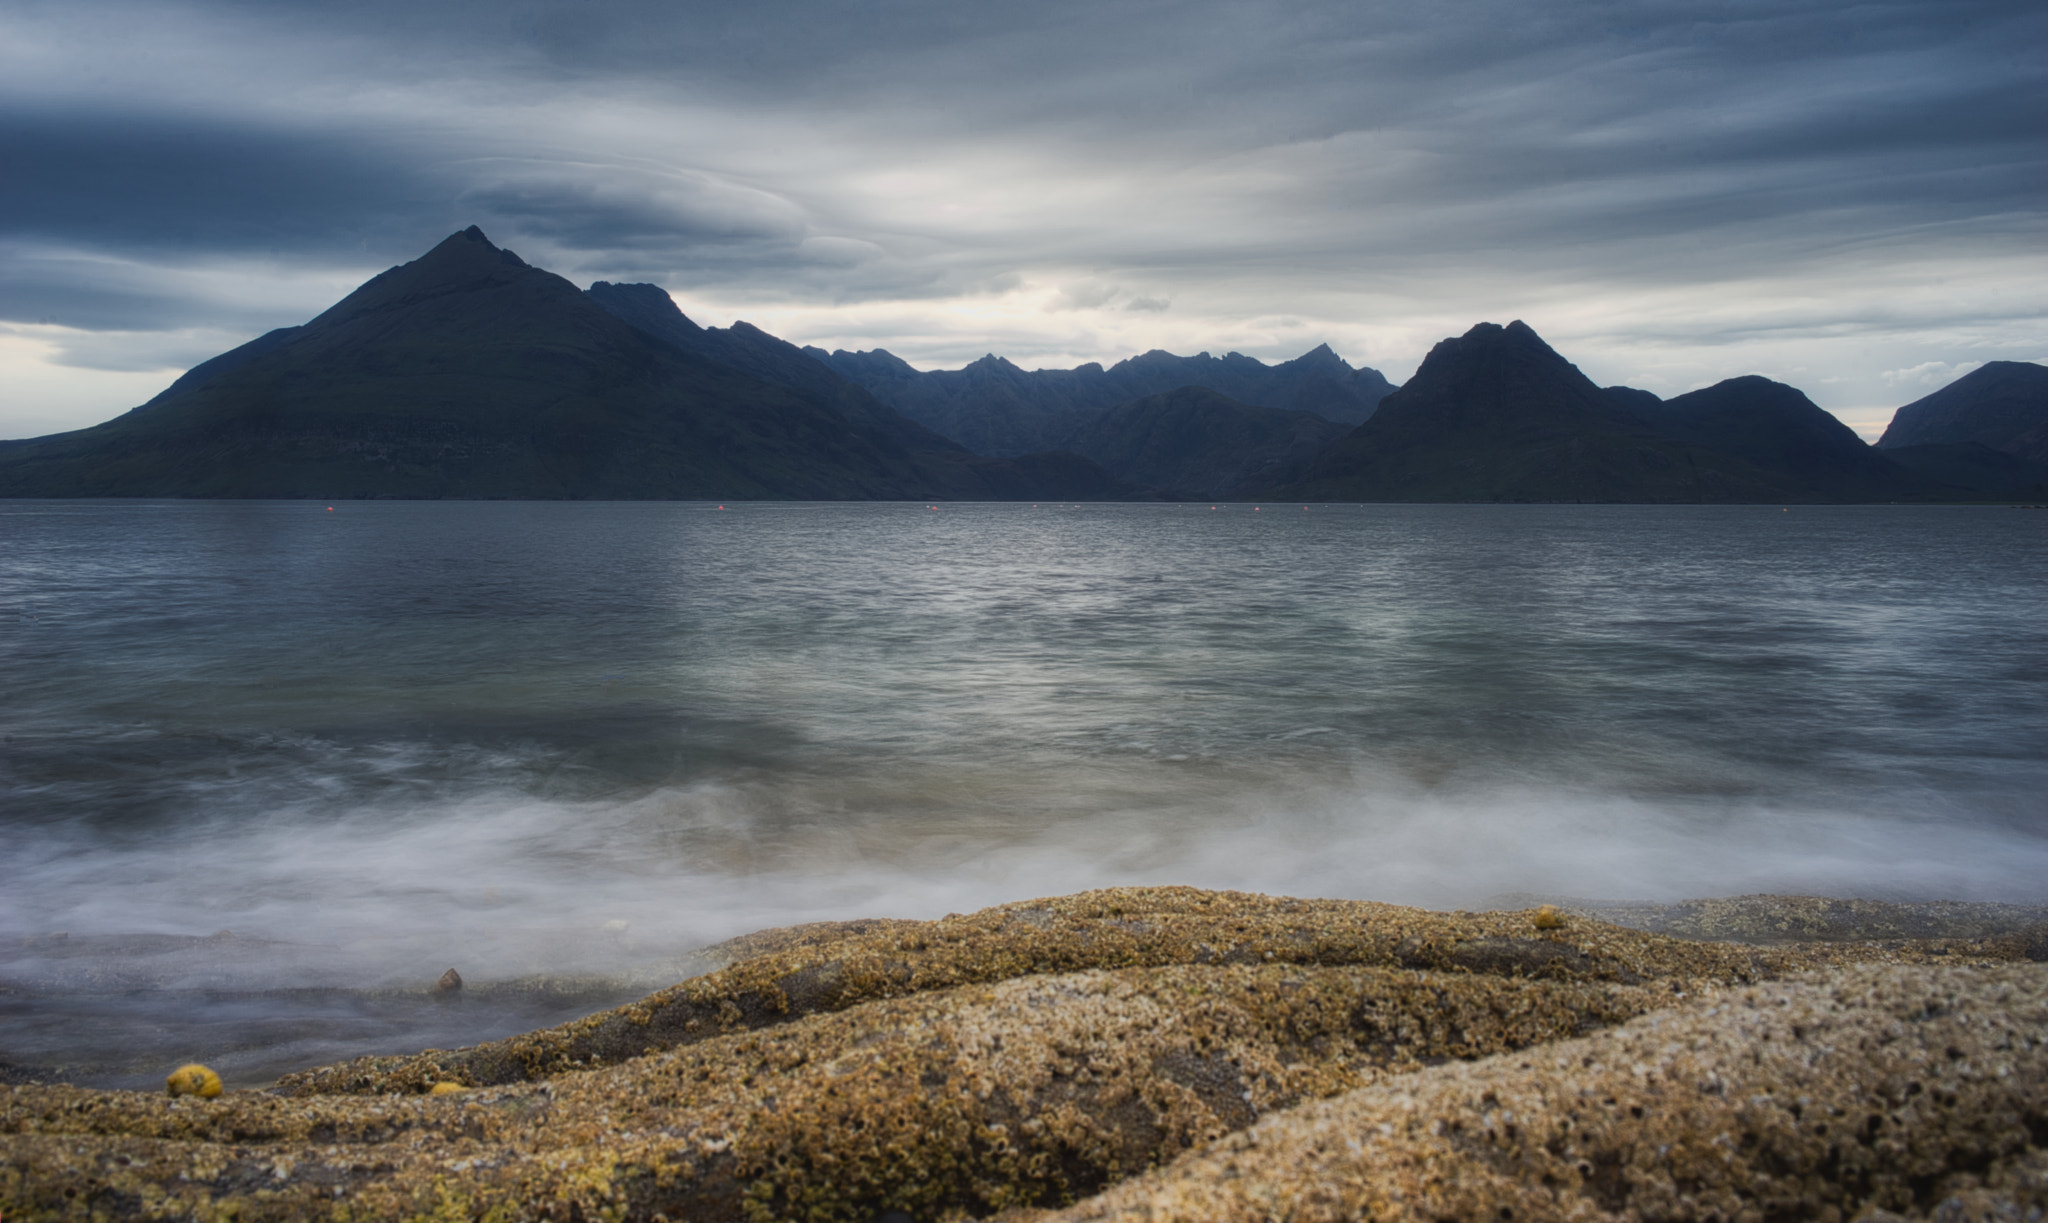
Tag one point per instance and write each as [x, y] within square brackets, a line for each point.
[1497, 415]
[1777, 429]
[2002, 405]
[467, 373]
[1195, 442]
[994, 407]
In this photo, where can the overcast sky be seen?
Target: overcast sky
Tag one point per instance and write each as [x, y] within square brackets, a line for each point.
[1846, 197]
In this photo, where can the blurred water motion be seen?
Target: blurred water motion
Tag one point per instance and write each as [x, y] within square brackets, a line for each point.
[564, 744]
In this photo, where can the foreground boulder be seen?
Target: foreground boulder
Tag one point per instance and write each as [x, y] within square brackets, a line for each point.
[1155, 1052]
[1868, 1093]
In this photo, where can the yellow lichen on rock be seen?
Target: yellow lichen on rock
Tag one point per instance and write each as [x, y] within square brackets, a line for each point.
[193, 1079]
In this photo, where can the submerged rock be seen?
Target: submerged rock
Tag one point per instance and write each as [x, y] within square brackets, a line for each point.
[1224, 1050]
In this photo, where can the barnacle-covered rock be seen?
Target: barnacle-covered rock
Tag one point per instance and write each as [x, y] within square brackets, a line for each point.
[1090, 1051]
[1865, 1093]
[786, 975]
[1033, 1091]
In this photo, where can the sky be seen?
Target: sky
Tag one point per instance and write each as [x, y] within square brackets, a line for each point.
[1846, 197]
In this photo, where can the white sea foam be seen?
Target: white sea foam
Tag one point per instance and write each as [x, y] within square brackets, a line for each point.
[503, 884]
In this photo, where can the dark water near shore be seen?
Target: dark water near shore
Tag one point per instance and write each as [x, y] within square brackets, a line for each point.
[582, 738]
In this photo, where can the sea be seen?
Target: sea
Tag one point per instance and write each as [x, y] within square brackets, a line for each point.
[269, 769]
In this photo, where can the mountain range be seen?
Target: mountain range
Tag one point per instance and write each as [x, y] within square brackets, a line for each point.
[993, 407]
[468, 373]
[1497, 415]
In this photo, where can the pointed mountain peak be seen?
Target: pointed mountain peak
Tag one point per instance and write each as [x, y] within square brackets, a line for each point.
[1515, 338]
[1322, 356]
[463, 262]
[1490, 367]
[469, 249]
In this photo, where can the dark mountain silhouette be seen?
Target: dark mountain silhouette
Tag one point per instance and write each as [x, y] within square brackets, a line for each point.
[1497, 415]
[1777, 429]
[1970, 470]
[994, 407]
[954, 472]
[1195, 442]
[2001, 404]
[468, 373]
[1642, 403]
[753, 351]
[1317, 381]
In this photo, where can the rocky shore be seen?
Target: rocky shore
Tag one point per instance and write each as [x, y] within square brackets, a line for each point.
[1169, 1053]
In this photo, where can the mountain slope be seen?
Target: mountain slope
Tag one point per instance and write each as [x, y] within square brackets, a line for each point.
[1195, 442]
[2000, 404]
[948, 469]
[1778, 429]
[1967, 470]
[754, 352]
[467, 373]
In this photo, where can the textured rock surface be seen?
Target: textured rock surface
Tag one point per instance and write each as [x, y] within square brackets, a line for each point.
[1869, 1093]
[2017, 930]
[787, 975]
[1035, 1091]
[1024, 1058]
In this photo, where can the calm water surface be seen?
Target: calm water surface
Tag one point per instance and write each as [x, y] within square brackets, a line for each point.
[521, 737]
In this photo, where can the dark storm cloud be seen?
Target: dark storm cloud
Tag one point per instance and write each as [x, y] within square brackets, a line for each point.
[1158, 145]
[48, 292]
[597, 207]
[135, 181]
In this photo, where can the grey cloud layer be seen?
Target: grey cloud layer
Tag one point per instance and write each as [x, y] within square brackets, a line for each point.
[1154, 145]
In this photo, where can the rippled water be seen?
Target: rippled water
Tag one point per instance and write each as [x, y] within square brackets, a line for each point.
[543, 737]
